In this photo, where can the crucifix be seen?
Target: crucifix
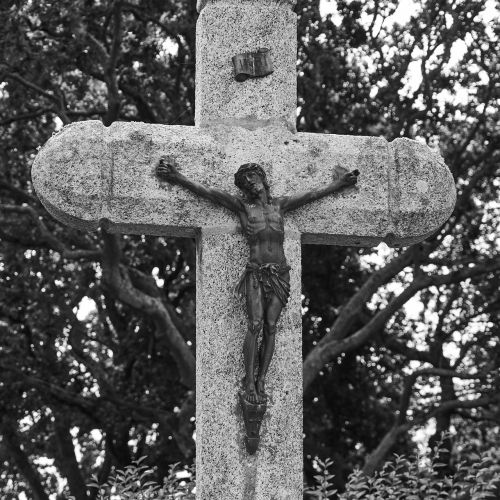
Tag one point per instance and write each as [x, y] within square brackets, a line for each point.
[266, 280]
[125, 179]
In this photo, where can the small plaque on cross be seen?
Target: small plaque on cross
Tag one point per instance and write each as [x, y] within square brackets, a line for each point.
[252, 64]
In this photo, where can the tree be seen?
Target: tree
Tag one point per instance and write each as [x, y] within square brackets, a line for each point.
[396, 80]
[121, 382]
[82, 393]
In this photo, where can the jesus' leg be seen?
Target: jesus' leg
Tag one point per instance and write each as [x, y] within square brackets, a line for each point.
[272, 313]
[255, 310]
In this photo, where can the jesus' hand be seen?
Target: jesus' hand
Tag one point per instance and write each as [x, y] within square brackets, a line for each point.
[350, 178]
[166, 170]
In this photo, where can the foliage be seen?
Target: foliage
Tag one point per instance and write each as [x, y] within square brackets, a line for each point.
[324, 487]
[135, 482]
[416, 478]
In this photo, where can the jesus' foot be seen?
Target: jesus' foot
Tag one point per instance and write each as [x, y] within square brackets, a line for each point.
[251, 394]
[261, 388]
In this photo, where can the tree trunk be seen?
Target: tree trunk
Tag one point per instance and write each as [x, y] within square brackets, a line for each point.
[443, 421]
[67, 459]
[377, 456]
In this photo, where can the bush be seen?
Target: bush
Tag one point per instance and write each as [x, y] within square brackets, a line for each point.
[135, 483]
[415, 478]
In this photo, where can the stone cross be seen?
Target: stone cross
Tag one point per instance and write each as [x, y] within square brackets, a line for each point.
[88, 175]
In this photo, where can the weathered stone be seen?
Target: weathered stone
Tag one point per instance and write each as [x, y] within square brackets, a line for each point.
[200, 4]
[422, 191]
[228, 472]
[89, 174]
[227, 28]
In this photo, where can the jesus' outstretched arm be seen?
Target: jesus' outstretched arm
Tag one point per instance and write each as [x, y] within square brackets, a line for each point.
[297, 200]
[167, 171]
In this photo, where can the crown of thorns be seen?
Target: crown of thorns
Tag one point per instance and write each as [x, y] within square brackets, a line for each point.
[239, 176]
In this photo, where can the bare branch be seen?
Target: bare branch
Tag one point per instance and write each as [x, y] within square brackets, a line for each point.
[117, 279]
[400, 347]
[171, 29]
[340, 329]
[19, 194]
[375, 458]
[85, 404]
[412, 378]
[47, 237]
[324, 352]
[110, 69]
[59, 101]
[26, 116]
[67, 459]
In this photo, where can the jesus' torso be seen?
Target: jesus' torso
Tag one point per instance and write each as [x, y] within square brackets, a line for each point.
[263, 226]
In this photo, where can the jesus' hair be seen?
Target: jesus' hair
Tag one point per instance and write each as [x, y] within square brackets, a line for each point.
[239, 176]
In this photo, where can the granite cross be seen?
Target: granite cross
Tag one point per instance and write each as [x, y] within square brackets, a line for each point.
[89, 175]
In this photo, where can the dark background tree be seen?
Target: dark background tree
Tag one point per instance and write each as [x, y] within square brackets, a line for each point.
[97, 331]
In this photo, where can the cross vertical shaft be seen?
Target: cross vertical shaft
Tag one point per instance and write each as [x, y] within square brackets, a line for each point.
[226, 28]
[225, 471]
[224, 468]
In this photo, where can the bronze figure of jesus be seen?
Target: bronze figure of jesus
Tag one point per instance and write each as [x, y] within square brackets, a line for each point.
[266, 279]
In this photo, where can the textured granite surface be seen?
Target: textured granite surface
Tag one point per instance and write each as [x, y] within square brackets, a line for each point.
[226, 28]
[89, 174]
[224, 470]
[200, 4]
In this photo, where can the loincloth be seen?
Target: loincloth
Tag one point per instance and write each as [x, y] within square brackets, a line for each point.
[270, 278]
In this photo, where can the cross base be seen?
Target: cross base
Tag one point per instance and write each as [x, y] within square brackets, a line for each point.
[253, 414]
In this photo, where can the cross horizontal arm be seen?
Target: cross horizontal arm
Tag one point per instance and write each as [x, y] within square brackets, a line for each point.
[89, 175]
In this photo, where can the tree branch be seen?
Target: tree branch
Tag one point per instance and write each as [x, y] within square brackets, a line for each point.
[314, 360]
[412, 378]
[324, 352]
[25, 116]
[67, 459]
[59, 101]
[375, 458]
[117, 280]
[171, 29]
[19, 194]
[86, 405]
[48, 238]
[110, 69]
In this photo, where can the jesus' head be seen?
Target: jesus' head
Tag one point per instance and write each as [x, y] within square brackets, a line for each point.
[252, 180]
